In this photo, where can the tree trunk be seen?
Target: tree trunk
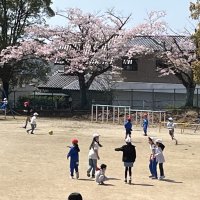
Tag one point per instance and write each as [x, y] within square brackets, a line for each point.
[83, 91]
[5, 89]
[189, 96]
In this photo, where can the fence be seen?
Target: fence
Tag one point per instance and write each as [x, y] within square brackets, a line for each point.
[154, 99]
[151, 99]
[118, 114]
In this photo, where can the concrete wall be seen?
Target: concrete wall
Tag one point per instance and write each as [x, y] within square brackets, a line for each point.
[146, 72]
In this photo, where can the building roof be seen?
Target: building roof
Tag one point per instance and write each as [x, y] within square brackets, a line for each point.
[62, 81]
[156, 43]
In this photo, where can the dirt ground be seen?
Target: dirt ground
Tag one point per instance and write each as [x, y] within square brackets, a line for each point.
[34, 167]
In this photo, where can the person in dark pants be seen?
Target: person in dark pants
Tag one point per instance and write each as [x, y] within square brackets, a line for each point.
[152, 159]
[33, 123]
[129, 156]
[145, 124]
[128, 127]
[160, 157]
[28, 110]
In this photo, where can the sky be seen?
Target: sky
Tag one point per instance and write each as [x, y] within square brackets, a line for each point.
[178, 15]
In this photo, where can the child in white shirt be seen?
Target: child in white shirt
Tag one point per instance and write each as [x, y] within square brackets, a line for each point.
[100, 176]
[160, 157]
[170, 126]
[33, 123]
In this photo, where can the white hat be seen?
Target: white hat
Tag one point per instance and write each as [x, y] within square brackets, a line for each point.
[95, 135]
[5, 99]
[128, 140]
[35, 114]
[170, 119]
[158, 141]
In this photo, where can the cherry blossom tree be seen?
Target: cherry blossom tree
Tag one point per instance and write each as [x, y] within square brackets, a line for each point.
[177, 54]
[15, 16]
[87, 46]
[90, 44]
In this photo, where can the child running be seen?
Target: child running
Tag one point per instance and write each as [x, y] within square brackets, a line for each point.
[93, 155]
[160, 157]
[170, 126]
[128, 127]
[28, 110]
[33, 123]
[129, 156]
[74, 158]
[152, 159]
[100, 176]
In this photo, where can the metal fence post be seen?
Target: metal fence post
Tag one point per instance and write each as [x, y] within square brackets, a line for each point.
[153, 99]
[14, 99]
[174, 99]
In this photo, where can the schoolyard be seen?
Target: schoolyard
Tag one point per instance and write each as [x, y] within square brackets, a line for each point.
[34, 167]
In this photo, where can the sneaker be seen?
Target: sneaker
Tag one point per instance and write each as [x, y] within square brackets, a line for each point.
[125, 181]
[129, 182]
[176, 142]
[72, 177]
[88, 174]
[93, 176]
[154, 178]
[77, 175]
[151, 176]
[161, 177]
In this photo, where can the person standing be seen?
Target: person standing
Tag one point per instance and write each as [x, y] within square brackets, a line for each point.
[128, 127]
[152, 159]
[93, 155]
[33, 123]
[170, 126]
[4, 104]
[128, 157]
[145, 124]
[28, 110]
[74, 158]
[160, 157]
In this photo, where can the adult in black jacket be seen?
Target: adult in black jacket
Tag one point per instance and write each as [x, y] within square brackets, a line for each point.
[129, 156]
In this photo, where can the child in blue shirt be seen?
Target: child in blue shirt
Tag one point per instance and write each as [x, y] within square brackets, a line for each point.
[128, 127]
[4, 104]
[145, 124]
[74, 158]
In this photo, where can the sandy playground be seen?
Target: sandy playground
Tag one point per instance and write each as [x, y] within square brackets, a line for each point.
[34, 167]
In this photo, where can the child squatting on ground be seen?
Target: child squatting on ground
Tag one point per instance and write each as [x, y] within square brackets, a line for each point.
[93, 155]
[152, 159]
[170, 126]
[160, 157]
[128, 127]
[74, 158]
[33, 123]
[129, 156]
[100, 176]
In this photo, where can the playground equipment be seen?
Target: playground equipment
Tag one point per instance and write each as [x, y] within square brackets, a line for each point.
[118, 114]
